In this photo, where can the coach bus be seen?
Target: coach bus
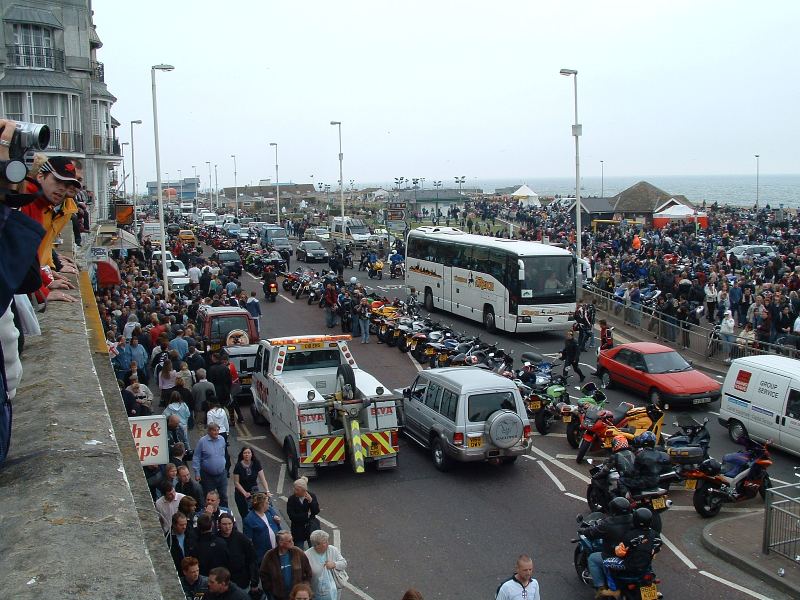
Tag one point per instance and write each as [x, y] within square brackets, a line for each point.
[509, 285]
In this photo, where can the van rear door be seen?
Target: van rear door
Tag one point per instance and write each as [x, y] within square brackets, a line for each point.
[790, 420]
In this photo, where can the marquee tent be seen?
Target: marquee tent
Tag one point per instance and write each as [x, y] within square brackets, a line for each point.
[679, 212]
[526, 195]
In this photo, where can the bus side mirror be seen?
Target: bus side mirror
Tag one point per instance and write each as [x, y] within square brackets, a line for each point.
[521, 271]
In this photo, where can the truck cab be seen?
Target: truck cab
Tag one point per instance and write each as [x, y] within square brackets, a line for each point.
[321, 407]
[233, 330]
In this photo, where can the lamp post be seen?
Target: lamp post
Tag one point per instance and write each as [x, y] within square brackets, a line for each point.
[216, 185]
[180, 186]
[576, 132]
[133, 175]
[235, 192]
[460, 181]
[602, 180]
[341, 177]
[153, 69]
[210, 200]
[437, 185]
[277, 183]
[196, 183]
[758, 157]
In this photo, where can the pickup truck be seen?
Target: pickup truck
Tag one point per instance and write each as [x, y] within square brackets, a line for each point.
[321, 407]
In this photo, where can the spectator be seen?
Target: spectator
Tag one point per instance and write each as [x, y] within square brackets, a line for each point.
[166, 382]
[412, 594]
[283, 568]
[521, 585]
[188, 507]
[301, 591]
[175, 434]
[142, 396]
[221, 587]
[302, 508]
[194, 359]
[248, 475]
[254, 308]
[220, 375]
[210, 550]
[188, 486]
[215, 508]
[209, 461]
[200, 390]
[242, 555]
[324, 559]
[181, 538]
[261, 525]
[195, 585]
[177, 407]
[167, 505]
[570, 354]
[179, 344]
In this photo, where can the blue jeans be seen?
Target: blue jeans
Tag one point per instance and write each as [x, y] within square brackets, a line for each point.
[215, 482]
[364, 324]
[330, 317]
[596, 569]
[356, 330]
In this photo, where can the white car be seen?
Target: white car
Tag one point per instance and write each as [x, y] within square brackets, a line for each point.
[321, 234]
[379, 235]
[177, 274]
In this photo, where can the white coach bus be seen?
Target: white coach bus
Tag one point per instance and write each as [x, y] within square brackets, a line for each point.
[506, 284]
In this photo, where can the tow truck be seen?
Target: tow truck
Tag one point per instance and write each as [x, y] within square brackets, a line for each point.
[233, 330]
[321, 407]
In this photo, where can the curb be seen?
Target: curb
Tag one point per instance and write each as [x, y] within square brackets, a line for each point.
[742, 562]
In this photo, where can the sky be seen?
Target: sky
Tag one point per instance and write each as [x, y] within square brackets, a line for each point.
[440, 88]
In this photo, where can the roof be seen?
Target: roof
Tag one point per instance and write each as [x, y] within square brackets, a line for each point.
[644, 197]
[470, 378]
[521, 247]
[646, 347]
[782, 363]
[28, 78]
[222, 310]
[99, 90]
[525, 192]
[443, 195]
[26, 14]
[595, 205]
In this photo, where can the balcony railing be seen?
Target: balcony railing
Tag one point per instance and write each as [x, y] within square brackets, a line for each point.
[105, 145]
[65, 141]
[98, 71]
[35, 57]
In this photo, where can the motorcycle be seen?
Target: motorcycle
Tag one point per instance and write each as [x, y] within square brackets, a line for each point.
[550, 401]
[271, 291]
[375, 269]
[632, 586]
[600, 425]
[740, 477]
[571, 414]
[397, 270]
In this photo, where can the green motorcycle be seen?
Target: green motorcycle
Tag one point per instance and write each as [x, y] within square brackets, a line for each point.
[547, 402]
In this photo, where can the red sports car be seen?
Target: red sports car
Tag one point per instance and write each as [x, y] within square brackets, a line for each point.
[656, 371]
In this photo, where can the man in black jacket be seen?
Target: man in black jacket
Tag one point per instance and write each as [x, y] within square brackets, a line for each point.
[209, 549]
[570, 355]
[243, 562]
[220, 375]
[612, 530]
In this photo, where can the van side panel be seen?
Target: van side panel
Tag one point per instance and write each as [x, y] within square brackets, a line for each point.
[755, 397]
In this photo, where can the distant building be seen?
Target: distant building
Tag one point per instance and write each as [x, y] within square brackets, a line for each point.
[50, 75]
[593, 208]
[643, 199]
[268, 191]
[186, 188]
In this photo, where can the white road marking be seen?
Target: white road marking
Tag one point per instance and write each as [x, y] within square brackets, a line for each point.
[268, 454]
[728, 509]
[281, 476]
[711, 412]
[571, 495]
[678, 553]
[558, 435]
[566, 456]
[529, 457]
[560, 465]
[337, 538]
[285, 298]
[528, 345]
[735, 586]
[357, 592]
[414, 362]
[326, 522]
[720, 377]
[779, 481]
[251, 275]
[552, 476]
[249, 438]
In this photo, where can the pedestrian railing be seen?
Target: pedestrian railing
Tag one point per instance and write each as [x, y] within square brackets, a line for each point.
[703, 341]
[782, 522]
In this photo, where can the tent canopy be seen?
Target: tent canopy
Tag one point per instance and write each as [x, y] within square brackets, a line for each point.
[524, 192]
[677, 210]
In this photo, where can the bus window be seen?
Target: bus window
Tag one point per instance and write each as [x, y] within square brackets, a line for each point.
[447, 252]
[480, 260]
[497, 265]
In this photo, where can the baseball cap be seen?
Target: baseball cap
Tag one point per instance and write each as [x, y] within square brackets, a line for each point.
[62, 168]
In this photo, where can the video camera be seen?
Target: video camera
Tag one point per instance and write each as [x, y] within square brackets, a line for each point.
[28, 138]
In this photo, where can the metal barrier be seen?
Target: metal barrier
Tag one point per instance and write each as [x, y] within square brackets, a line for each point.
[782, 522]
[700, 340]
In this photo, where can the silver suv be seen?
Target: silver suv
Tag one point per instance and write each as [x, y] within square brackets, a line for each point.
[466, 414]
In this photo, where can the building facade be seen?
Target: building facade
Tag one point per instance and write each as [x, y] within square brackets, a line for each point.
[51, 75]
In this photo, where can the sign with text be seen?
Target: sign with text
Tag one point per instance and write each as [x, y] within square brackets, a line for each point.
[150, 436]
[99, 253]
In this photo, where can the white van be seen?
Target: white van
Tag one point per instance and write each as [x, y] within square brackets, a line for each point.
[761, 397]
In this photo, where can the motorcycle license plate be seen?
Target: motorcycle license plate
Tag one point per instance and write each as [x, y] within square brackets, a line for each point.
[649, 592]
[566, 419]
[396, 333]
[442, 357]
[429, 352]
[659, 503]
[475, 442]
[534, 405]
[412, 345]
[690, 484]
[246, 380]
[383, 330]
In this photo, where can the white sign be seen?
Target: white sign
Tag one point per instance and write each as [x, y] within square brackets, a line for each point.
[150, 436]
[99, 253]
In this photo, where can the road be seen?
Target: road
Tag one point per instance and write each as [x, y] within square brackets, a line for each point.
[456, 535]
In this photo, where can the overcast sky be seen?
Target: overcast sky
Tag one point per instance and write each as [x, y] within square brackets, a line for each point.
[436, 89]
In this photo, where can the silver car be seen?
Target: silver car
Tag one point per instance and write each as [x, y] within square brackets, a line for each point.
[466, 414]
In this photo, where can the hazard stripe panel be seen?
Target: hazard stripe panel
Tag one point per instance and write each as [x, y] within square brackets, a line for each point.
[322, 450]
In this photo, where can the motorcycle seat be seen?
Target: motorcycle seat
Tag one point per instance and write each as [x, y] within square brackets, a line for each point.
[652, 493]
[533, 357]
[619, 412]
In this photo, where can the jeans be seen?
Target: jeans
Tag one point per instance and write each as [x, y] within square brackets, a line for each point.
[596, 569]
[610, 565]
[583, 337]
[364, 324]
[636, 314]
[215, 482]
[330, 317]
[356, 329]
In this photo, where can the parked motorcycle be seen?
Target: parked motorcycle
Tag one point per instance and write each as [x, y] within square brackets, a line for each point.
[600, 425]
[572, 414]
[551, 399]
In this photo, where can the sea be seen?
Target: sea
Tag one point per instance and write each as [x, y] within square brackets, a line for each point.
[775, 190]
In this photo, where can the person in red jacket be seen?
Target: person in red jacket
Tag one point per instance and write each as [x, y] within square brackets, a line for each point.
[606, 335]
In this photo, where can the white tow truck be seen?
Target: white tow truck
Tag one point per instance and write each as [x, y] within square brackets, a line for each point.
[321, 407]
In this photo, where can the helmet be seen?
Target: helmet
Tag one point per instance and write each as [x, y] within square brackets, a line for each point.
[642, 517]
[619, 506]
[354, 280]
[646, 440]
[620, 442]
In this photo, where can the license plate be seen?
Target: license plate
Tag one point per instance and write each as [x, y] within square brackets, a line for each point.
[412, 345]
[396, 333]
[443, 357]
[701, 400]
[429, 351]
[247, 379]
[375, 449]
[690, 484]
[567, 419]
[534, 405]
[649, 592]
[383, 330]
[659, 503]
[312, 346]
[475, 442]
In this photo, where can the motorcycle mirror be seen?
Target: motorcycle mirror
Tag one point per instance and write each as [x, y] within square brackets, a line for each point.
[675, 424]
[590, 461]
[579, 519]
[705, 420]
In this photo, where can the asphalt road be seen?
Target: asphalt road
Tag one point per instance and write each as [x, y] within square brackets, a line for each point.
[456, 535]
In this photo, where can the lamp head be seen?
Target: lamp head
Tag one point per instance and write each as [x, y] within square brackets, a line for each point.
[273, 143]
[163, 67]
[136, 122]
[568, 72]
[336, 122]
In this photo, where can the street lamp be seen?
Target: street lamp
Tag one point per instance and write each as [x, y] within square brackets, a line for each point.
[235, 192]
[758, 156]
[341, 177]
[277, 183]
[180, 186]
[576, 132]
[460, 181]
[196, 183]
[153, 69]
[602, 180]
[437, 185]
[133, 175]
[216, 185]
[210, 198]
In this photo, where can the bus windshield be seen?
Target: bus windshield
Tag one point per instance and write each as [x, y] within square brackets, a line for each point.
[547, 279]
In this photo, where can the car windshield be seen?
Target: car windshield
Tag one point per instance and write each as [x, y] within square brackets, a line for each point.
[313, 359]
[222, 325]
[666, 362]
[313, 246]
[321, 231]
[481, 406]
[280, 241]
[547, 279]
[228, 256]
[176, 265]
[358, 230]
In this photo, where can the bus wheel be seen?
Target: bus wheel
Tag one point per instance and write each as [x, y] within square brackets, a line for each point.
[429, 300]
[488, 320]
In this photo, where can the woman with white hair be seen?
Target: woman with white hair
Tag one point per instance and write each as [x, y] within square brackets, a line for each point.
[302, 508]
[324, 559]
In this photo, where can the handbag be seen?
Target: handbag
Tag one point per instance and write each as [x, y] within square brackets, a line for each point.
[340, 576]
[312, 525]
